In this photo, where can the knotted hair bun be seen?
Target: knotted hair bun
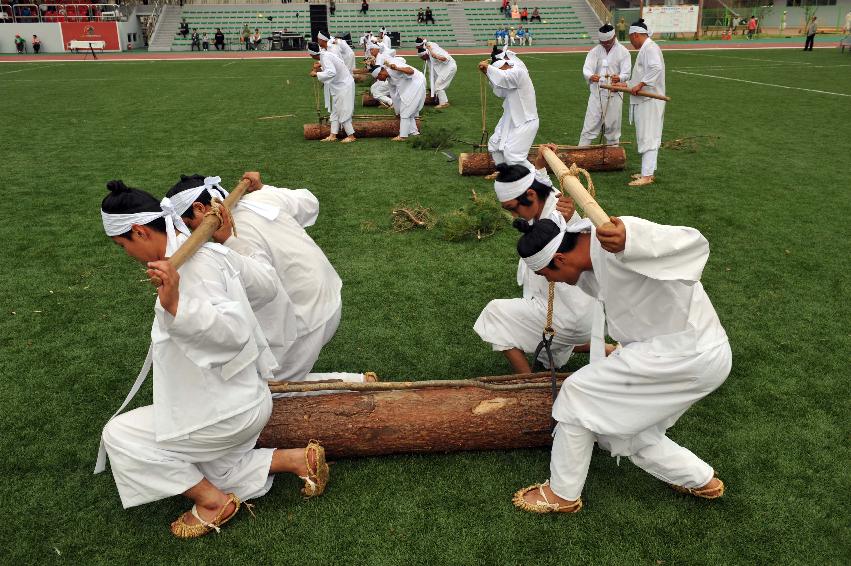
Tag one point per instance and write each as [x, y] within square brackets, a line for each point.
[522, 225]
[117, 187]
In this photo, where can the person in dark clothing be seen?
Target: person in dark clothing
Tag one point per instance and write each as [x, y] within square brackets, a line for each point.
[196, 40]
[429, 17]
[219, 39]
[364, 7]
[36, 44]
[184, 28]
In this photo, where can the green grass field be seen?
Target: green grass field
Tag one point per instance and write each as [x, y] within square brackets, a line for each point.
[771, 194]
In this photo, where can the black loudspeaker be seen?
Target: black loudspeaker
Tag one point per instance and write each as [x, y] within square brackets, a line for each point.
[318, 19]
[395, 39]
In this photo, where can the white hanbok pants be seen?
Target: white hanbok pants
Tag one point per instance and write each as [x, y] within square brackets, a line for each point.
[626, 403]
[146, 470]
[408, 118]
[649, 117]
[603, 110]
[511, 145]
[519, 323]
[380, 90]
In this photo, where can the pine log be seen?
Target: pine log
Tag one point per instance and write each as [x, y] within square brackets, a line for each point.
[368, 100]
[363, 78]
[413, 421]
[378, 128]
[609, 158]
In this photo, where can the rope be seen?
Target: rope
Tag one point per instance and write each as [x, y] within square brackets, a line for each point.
[319, 117]
[574, 171]
[483, 102]
[220, 211]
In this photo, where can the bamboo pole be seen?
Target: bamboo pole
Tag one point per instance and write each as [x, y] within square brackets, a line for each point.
[618, 88]
[204, 232]
[496, 383]
[570, 183]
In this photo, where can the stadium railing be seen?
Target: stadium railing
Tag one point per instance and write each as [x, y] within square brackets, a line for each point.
[49, 13]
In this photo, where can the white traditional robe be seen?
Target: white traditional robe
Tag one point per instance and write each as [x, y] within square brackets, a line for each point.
[648, 113]
[380, 90]
[515, 132]
[440, 73]
[305, 273]
[387, 41]
[344, 51]
[408, 94]
[339, 88]
[605, 107]
[674, 352]
[210, 395]
[519, 323]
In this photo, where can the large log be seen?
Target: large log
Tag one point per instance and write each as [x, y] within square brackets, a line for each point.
[600, 158]
[378, 128]
[363, 78]
[414, 421]
[368, 100]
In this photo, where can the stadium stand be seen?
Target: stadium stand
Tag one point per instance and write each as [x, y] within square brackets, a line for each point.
[563, 22]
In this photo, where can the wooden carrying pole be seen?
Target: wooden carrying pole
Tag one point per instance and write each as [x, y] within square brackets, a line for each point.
[619, 88]
[497, 413]
[209, 224]
[570, 183]
[593, 158]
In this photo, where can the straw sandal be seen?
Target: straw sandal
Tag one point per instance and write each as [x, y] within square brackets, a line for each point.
[371, 377]
[349, 139]
[543, 506]
[641, 181]
[704, 492]
[398, 139]
[181, 529]
[330, 138]
[317, 474]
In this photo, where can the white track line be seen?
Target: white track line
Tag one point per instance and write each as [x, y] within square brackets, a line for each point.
[26, 69]
[763, 84]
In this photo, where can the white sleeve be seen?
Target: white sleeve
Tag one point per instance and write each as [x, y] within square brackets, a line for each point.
[588, 67]
[504, 79]
[543, 177]
[301, 204]
[653, 67]
[328, 71]
[210, 327]
[625, 67]
[664, 252]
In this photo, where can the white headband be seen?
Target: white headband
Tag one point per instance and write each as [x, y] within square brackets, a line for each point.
[320, 35]
[117, 224]
[183, 200]
[540, 260]
[312, 52]
[376, 71]
[605, 36]
[420, 43]
[500, 62]
[637, 29]
[510, 190]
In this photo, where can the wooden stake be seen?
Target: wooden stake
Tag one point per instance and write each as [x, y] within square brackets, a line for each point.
[618, 88]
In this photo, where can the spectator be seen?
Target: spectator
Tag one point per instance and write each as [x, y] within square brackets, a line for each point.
[521, 36]
[256, 40]
[420, 16]
[504, 7]
[20, 43]
[332, 7]
[528, 36]
[751, 27]
[196, 40]
[205, 43]
[536, 15]
[219, 39]
[246, 37]
[507, 12]
[524, 14]
[36, 44]
[184, 28]
[812, 30]
[621, 27]
[364, 7]
[512, 36]
[428, 15]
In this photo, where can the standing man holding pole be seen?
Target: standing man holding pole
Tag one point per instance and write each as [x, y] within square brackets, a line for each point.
[608, 62]
[648, 75]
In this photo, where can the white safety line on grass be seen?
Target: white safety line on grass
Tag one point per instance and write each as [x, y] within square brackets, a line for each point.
[26, 69]
[762, 84]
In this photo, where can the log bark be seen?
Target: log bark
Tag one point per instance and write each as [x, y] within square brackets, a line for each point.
[368, 100]
[610, 158]
[407, 421]
[364, 79]
[378, 128]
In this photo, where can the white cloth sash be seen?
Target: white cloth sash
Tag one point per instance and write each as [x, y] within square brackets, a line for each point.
[598, 333]
[100, 465]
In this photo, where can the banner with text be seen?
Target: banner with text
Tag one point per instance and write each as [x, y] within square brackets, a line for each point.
[91, 31]
[671, 19]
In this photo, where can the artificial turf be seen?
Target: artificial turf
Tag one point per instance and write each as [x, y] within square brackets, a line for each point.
[770, 193]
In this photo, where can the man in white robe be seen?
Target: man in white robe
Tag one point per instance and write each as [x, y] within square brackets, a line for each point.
[408, 87]
[607, 63]
[514, 326]
[210, 362]
[384, 37]
[338, 46]
[674, 353]
[271, 224]
[339, 88]
[648, 74]
[515, 132]
[441, 69]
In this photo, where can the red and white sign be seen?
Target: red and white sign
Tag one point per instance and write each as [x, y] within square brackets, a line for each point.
[91, 31]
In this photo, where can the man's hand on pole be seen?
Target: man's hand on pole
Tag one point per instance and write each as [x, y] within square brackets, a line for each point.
[253, 177]
[168, 289]
[634, 90]
[612, 235]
